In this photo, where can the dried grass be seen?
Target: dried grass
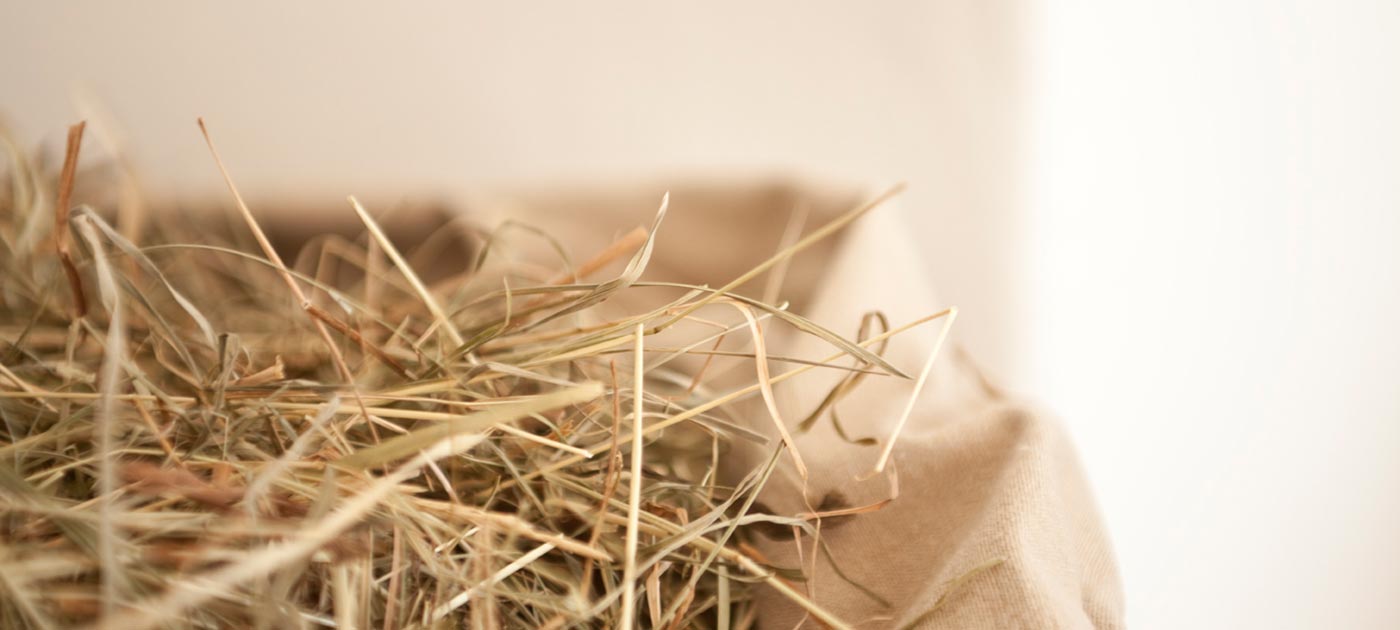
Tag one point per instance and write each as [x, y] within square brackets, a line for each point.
[203, 446]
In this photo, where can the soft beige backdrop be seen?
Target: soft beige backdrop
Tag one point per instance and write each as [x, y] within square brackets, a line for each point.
[440, 99]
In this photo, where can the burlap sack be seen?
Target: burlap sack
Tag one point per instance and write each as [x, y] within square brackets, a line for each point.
[994, 525]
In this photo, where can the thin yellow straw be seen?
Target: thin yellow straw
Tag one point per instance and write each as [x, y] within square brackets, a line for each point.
[634, 492]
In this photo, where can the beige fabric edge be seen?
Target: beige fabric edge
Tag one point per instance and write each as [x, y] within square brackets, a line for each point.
[983, 478]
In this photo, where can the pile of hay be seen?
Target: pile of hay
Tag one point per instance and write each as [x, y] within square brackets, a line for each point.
[195, 434]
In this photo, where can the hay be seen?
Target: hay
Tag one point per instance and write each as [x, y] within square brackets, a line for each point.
[196, 434]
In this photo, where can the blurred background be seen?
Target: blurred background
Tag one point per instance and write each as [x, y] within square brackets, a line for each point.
[1175, 224]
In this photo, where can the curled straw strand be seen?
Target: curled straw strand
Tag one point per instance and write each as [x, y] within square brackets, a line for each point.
[765, 384]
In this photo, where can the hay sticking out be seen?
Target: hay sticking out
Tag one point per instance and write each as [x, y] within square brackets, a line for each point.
[189, 451]
[919, 383]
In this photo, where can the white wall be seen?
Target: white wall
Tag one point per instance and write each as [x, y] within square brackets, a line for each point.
[1216, 260]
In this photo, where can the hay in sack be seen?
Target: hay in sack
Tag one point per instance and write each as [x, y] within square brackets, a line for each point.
[195, 434]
